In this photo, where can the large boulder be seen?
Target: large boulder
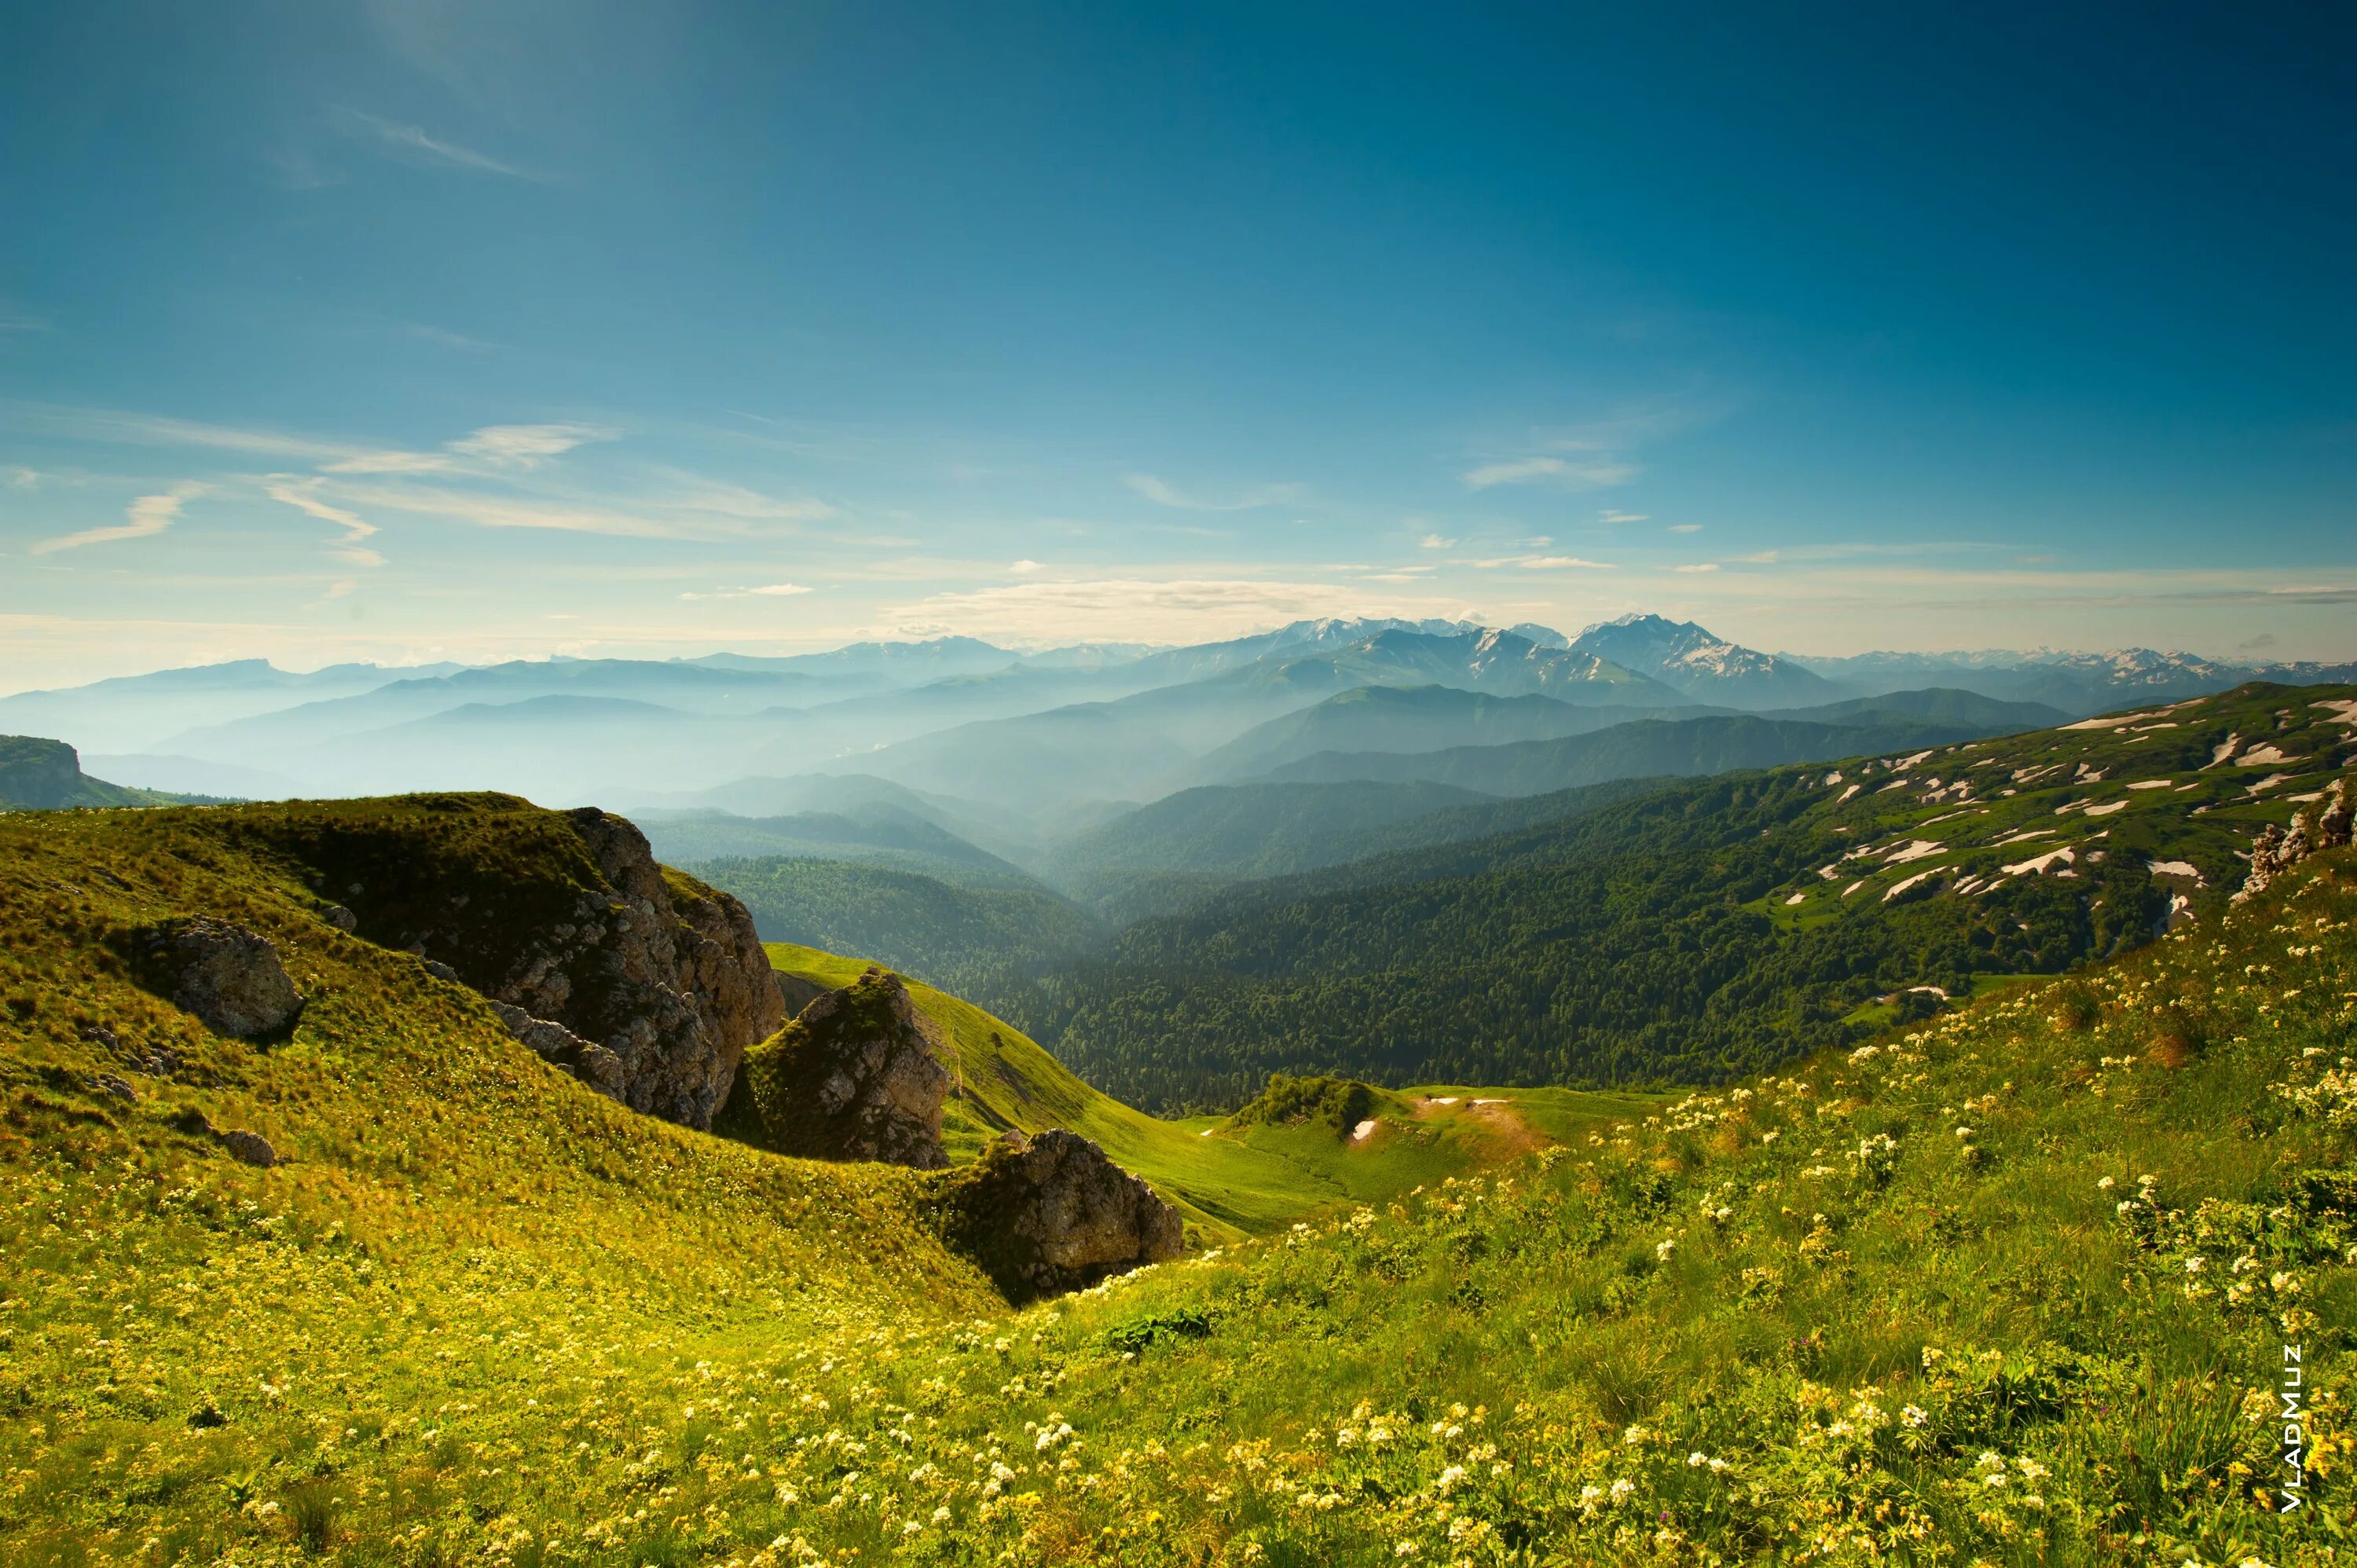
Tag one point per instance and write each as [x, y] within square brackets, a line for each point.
[230, 978]
[1051, 1213]
[857, 1076]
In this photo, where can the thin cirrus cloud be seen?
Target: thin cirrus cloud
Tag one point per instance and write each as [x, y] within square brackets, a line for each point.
[412, 143]
[1686, 528]
[765, 591]
[297, 493]
[1163, 494]
[143, 519]
[1697, 566]
[1548, 470]
[1542, 564]
[1609, 515]
[1436, 542]
[1151, 611]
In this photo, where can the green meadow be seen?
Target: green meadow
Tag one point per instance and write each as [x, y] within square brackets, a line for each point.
[2014, 1285]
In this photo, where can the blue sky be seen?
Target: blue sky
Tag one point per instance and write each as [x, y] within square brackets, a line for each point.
[422, 330]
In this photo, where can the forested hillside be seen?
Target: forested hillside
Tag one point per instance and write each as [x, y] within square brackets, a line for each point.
[946, 934]
[1706, 929]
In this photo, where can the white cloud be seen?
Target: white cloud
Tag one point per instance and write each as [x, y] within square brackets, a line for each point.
[1686, 528]
[1162, 494]
[1697, 566]
[147, 517]
[1436, 542]
[736, 501]
[413, 144]
[1609, 515]
[298, 495]
[527, 445]
[1551, 470]
[24, 479]
[1543, 563]
[1137, 610]
[765, 591]
[1024, 567]
[494, 511]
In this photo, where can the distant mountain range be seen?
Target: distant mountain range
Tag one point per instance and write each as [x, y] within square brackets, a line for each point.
[1041, 745]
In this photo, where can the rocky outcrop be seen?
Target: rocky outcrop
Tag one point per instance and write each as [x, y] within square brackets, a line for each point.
[646, 986]
[2275, 851]
[857, 1076]
[1050, 1213]
[228, 977]
[559, 1047]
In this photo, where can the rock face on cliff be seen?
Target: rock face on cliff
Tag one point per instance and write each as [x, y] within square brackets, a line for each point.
[856, 1076]
[1050, 1213]
[2274, 850]
[646, 984]
[226, 975]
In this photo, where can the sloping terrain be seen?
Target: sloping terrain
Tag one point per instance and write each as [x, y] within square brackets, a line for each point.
[38, 775]
[947, 932]
[1705, 928]
[1642, 748]
[1706, 668]
[2015, 1286]
[1406, 719]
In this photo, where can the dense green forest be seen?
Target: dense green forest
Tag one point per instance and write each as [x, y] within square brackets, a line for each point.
[1623, 945]
[946, 935]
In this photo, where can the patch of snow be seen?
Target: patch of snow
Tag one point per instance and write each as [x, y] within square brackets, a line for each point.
[1796, 898]
[1847, 794]
[1442, 1099]
[2174, 868]
[2107, 810]
[1915, 850]
[1828, 872]
[1903, 886]
[2269, 782]
[2316, 795]
[2152, 783]
[1852, 886]
[2117, 721]
[2221, 751]
[2260, 755]
[1833, 778]
[2024, 834]
[2343, 709]
[1363, 1130]
[2036, 866]
[1499, 1100]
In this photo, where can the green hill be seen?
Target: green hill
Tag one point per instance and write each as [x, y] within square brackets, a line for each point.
[920, 925]
[1408, 719]
[1706, 929]
[1639, 749]
[46, 776]
[2012, 1286]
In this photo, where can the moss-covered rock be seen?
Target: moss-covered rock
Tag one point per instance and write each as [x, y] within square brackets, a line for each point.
[857, 1076]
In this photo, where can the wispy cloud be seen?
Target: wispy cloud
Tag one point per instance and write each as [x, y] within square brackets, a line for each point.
[1024, 567]
[1140, 610]
[765, 591]
[412, 144]
[1162, 494]
[1686, 528]
[528, 446]
[1609, 515]
[143, 519]
[1551, 470]
[1543, 563]
[1697, 566]
[494, 448]
[1436, 542]
[297, 493]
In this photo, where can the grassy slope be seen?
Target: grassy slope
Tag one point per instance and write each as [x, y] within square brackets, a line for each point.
[1854, 1336]
[1233, 1182]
